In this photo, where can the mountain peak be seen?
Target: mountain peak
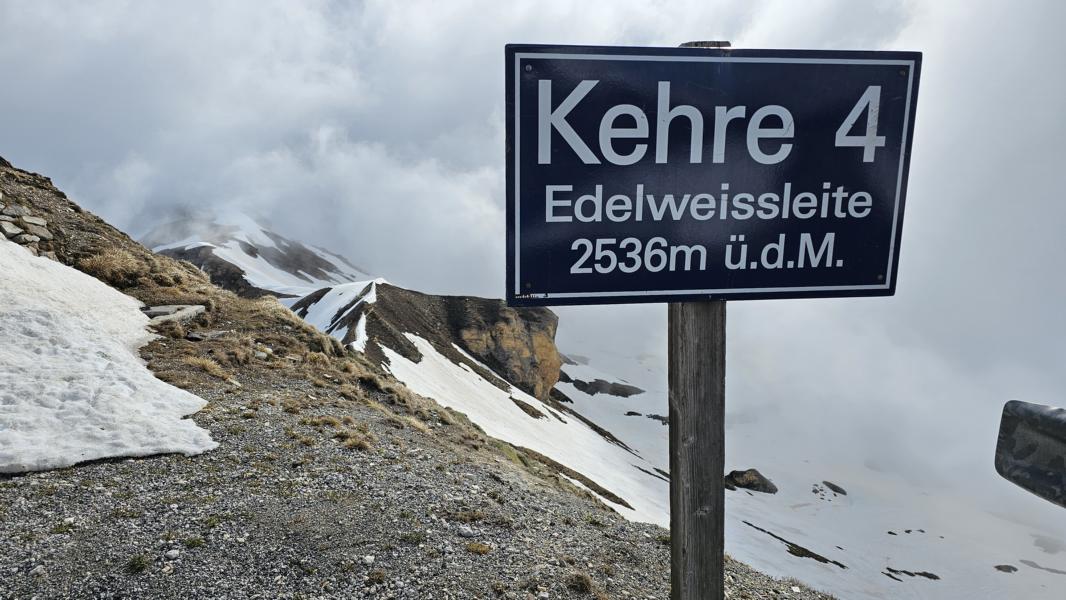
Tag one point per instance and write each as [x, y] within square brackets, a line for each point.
[242, 254]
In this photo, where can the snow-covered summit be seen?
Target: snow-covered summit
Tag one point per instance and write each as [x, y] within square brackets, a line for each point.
[241, 254]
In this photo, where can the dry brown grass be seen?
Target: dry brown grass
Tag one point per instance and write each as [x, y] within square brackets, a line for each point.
[208, 366]
[322, 421]
[413, 423]
[170, 329]
[468, 516]
[316, 358]
[478, 548]
[350, 392]
[355, 440]
[116, 267]
[582, 583]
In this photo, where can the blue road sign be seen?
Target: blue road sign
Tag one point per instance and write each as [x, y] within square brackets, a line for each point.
[674, 174]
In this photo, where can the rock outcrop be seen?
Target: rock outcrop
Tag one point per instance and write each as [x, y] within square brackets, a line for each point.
[518, 344]
[600, 386]
[20, 225]
[750, 480]
[836, 489]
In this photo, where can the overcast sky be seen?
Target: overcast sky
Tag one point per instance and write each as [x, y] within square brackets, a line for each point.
[376, 129]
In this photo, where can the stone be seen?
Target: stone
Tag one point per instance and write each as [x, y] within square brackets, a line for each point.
[172, 554]
[16, 211]
[40, 232]
[34, 221]
[199, 336]
[49, 255]
[7, 218]
[750, 480]
[10, 230]
[38, 571]
[173, 312]
[836, 488]
[368, 560]
[611, 388]
[261, 355]
[466, 531]
[26, 238]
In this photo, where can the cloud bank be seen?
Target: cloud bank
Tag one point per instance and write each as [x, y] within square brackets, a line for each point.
[376, 129]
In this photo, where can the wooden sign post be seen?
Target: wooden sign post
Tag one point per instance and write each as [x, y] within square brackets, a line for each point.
[697, 449]
[696, 358]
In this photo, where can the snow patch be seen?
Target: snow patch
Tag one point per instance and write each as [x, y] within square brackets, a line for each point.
[186, 244]
[572, 444]
[72, 386]
[326, 316]
[360, 335]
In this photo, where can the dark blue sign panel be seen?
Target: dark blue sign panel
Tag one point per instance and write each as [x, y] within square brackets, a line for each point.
[672, 174]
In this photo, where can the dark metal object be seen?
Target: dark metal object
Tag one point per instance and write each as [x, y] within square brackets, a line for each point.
[1031, 452]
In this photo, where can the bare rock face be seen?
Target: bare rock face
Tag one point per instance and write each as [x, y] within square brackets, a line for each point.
[518, 344]
[522, 347]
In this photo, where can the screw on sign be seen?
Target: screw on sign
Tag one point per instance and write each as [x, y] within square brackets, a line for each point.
[693, 176]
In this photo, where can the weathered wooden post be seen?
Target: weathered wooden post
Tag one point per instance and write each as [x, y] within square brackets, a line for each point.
[697, 449]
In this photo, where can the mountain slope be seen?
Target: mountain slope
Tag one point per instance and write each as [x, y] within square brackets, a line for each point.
[497, 365]
[606, 432]
[330, 480]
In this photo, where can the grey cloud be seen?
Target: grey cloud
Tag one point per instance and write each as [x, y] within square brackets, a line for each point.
[375, 128]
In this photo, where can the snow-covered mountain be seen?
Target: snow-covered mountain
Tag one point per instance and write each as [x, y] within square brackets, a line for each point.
[844, 528]
[249, 259]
